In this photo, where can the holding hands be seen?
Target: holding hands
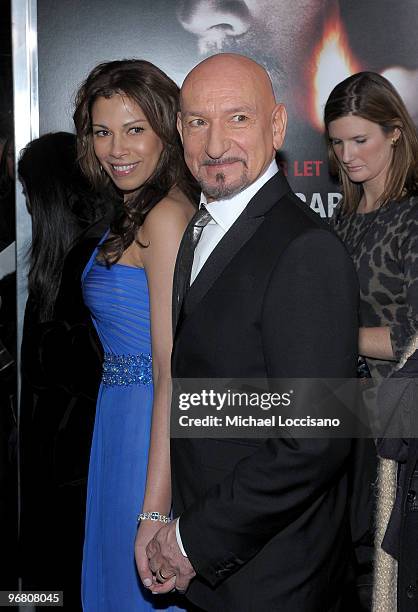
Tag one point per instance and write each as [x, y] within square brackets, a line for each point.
[160, 562]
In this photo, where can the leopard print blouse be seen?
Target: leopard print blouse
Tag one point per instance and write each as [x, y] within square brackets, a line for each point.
[384, 247]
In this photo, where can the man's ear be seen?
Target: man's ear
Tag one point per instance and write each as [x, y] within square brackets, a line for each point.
[279, 123]
[180, 126]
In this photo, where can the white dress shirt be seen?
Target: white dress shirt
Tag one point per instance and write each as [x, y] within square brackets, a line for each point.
[224, 214]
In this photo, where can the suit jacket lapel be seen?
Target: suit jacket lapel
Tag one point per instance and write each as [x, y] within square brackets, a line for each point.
[239, 233]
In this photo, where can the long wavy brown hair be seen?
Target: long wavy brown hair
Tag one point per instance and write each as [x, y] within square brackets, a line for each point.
[370, 96]
[158, 97]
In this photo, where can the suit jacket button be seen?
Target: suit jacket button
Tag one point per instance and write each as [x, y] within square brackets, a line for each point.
[410, 591]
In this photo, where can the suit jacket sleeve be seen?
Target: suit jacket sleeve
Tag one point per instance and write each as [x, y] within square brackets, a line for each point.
[309, 330]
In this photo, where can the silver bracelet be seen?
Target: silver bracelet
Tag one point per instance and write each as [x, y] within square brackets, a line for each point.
[153, 516]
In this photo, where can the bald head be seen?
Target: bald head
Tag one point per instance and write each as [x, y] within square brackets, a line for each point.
[228, 68]
[230, 123]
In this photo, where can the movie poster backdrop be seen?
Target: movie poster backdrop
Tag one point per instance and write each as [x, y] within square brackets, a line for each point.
[307, 46]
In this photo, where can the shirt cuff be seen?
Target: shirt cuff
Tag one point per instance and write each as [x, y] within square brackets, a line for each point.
[178, 538]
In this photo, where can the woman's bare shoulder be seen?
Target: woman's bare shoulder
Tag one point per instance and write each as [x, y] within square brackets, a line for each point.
[168, 218]
[175, 208]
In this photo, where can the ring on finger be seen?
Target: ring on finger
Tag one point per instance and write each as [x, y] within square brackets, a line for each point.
[160, 576]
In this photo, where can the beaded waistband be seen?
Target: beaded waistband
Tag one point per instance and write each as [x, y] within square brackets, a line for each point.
[127, 369]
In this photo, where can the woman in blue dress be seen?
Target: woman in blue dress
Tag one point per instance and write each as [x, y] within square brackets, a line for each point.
[125, 119]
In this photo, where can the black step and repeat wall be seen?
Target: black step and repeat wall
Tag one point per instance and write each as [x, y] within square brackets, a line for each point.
[307, 46]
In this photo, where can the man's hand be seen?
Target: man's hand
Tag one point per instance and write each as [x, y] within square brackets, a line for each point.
[167, 562]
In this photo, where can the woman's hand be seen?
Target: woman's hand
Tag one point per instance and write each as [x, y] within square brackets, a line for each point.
[146, 531]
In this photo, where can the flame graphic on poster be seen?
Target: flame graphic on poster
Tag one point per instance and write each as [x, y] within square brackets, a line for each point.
[333, 61]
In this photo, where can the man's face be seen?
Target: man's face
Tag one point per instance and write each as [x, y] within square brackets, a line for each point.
[279, 34]
[229, 129]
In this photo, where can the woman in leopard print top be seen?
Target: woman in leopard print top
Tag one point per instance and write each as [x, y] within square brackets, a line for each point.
[384, 247]
[373, 145]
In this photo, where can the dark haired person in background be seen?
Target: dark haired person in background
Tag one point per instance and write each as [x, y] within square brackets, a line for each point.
[373, 145]
[8, 378]
[62, 205]
[126, 126]
[7, 196]
[61, 360]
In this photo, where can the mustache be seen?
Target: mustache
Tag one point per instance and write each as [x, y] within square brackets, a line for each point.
[223, 160]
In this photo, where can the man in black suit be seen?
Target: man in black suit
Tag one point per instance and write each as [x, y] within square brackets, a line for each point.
[263, 524]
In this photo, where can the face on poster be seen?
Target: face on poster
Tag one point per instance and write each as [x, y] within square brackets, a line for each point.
[307, 46]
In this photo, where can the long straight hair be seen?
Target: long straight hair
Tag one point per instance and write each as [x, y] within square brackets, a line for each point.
[370, 96]
[6, 182]
[6, 140]
[61, 204]
[158, 97]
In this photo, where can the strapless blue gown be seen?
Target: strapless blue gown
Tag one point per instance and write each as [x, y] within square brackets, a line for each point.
[119, 303]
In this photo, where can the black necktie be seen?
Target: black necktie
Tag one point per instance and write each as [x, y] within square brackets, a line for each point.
[184, 263]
